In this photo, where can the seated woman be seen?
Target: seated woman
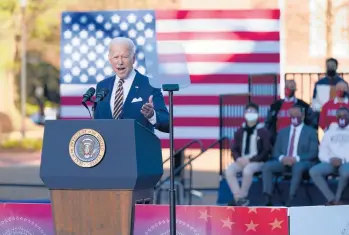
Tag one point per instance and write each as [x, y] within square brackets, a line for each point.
[250, 150]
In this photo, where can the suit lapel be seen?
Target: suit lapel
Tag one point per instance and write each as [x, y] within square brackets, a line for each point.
[300, 141]
[107, 99]
[288, 138]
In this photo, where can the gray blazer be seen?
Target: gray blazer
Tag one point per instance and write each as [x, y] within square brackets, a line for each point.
[308, 145]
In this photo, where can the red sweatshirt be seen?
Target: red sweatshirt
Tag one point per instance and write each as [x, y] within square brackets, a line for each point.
[283, 117]
[329, 111]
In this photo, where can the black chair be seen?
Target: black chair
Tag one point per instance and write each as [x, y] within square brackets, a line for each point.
[286, 176]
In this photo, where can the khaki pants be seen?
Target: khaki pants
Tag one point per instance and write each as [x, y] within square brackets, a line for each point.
[247, 176]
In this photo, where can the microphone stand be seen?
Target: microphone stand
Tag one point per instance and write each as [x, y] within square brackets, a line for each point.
[85, 105]
[171, 88]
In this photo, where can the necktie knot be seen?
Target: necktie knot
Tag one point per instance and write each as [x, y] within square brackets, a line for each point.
[121, 81]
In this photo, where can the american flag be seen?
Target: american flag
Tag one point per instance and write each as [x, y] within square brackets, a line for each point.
[221, 48]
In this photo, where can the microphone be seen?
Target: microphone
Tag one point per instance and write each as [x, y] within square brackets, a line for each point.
[101, 95]
[87, 96]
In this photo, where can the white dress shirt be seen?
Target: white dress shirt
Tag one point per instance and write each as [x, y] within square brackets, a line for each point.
[126, 88]
[295, 143]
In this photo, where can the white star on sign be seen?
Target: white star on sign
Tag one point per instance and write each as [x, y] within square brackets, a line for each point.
[91, 71]
[99, 18]
[131, 18]
[67, 34]
[91, 56]
[84, 64]
[251, 226]
[204, 215]
[99, 34]
[252, 209]
[149, 33]
[99, 77]
[276, 224]
[83, 34]
[100, 63]
[115, 19]
[132, 33]
[68, 78]
[124, 26]
[76, 71]
[68, 49]
[76, 56]
[140, 26]
[107, 26]
[91, 41]
[100, 48]
[84, 78]
[84, 49]
[68, 64]
[227, 223]
[76, 27]
[83, 19]
[140, 41]
[67, 19]
[91, 27]
[76, 41]
[148, 18]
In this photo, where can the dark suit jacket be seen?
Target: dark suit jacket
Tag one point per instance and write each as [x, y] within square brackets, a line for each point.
[307, 148]
[271, 119]
[140, 89]
[263, 143]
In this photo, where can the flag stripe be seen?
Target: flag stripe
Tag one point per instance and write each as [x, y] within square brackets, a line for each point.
[225, 47]
[236, 58]
[248, 36]
[218, 14]
[217, 25]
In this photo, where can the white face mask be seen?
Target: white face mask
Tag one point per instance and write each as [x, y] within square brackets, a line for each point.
[251, 117]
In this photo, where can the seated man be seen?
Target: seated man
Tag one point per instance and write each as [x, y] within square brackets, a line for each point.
[334, 157]
[329, 110]
[296, 148]
[251, 148]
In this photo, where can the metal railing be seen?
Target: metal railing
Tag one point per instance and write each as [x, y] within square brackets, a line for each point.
[185, 147]
[306, 82]
[180, 169]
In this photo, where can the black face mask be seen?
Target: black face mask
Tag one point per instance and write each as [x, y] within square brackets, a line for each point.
[331, 72]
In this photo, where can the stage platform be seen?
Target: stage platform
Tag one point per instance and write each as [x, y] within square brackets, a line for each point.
[35, 218]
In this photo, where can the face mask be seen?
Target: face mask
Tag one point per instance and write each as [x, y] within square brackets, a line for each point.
[289, 93]
[340, 94]
[296, 121]
[251, 117]
[342, 122]
[331, 72]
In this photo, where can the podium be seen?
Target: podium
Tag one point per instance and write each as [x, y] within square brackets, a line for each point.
[96, 170]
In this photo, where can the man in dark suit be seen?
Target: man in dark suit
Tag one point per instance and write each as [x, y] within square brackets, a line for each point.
[130, 94]
[296, 149]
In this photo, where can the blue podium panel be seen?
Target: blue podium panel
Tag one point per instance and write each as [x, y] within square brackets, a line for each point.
[132, 158]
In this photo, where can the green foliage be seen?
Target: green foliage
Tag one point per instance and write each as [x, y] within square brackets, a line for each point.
[25, 144]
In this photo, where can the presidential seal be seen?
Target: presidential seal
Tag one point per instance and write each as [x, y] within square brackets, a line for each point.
[87, 148]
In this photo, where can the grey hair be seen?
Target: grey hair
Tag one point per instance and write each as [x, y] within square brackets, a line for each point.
[123, 40]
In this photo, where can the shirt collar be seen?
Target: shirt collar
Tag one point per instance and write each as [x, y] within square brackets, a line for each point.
[129, 78]
[297, 127]
[345, 100]
[291, 99]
